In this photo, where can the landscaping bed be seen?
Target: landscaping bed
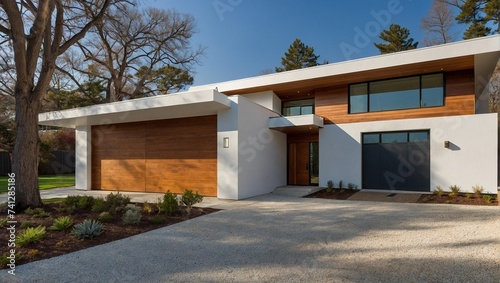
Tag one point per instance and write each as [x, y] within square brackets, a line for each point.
[340, 194]
[148, 217]
[461, 198]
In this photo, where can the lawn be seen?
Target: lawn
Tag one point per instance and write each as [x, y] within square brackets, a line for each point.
[45, 182]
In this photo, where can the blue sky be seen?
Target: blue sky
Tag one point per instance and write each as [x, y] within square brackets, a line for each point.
[245, 37]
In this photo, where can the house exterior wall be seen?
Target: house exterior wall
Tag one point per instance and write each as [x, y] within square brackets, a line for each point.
[333, 103]
[471, 160]
[255, 162]
[267, 99]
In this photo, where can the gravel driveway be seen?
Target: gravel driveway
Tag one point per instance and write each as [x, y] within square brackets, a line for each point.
[282, 239]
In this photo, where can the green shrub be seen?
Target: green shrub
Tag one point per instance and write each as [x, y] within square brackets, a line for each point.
[31, 235]
[341, 184]
[329, 186]
[117, 202]
[105, 217]
[132, 217]
[487, 198]
[81, 202]
[37, 212]
[438, 191]
[454, 190]
[189, 199]
[468, 196]
[478, 190]
[62, 223]
[157, 219]
[169, 205]
[352, 186]
[88, 229]
[100, 205]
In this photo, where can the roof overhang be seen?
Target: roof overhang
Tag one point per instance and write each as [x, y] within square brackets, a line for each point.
[447, 57]
[179, 105]
[296, 124]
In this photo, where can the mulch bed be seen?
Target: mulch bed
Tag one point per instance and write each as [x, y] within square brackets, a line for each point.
[335, 194]
[459, 199]
[62, 242]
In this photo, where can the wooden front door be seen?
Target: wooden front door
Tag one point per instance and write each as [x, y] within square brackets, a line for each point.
[298, 163]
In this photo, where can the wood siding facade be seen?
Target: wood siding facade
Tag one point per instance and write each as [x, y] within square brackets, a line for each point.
[332, 102]
[156, 156]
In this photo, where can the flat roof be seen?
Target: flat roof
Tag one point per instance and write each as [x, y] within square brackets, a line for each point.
[179, 105]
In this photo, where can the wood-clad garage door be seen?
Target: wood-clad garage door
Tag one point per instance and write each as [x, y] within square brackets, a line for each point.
[156, 156]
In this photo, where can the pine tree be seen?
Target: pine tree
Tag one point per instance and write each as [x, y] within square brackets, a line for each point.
[471, 12]
[492, 10]
[298, 56]
[397, 40]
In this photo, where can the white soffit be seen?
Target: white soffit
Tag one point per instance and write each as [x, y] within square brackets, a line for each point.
[179, 105]
[459, 49]
[284, 124]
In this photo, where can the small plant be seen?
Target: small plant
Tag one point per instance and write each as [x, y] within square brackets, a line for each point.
[62, 223]
[105, 217]
[100, 205]
[4, 221]
[478, 190]
[31, 235]
[37, 212]
[33, 252]
[157, 219]
[88, 229]
[117, 202]
[132, 216]
[6, 257]
[169, 205]
[80, 202]
[147, 207]
[27, 224]
[59, 244]
[329, 186]
[454, 190]
[341, 184]
[352, 186]
[468, 196]
[189, 198]
[487, 198]
[438, 191]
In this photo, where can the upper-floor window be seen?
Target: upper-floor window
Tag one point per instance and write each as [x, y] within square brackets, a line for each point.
[298, 107]
[395, 94]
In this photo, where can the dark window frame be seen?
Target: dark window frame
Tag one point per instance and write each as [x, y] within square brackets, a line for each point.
[408, 132]
[368, 94]
[301, 106]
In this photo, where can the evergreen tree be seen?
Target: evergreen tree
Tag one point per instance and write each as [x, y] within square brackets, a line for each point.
[471, 12]
[492, 10]
[397, 40]
[298, 56]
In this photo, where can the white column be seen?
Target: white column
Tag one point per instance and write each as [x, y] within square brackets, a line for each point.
[83, 162]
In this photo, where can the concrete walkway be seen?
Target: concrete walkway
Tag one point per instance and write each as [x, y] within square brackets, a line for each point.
[282, 239]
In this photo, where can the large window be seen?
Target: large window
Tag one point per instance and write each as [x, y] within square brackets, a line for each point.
[395, 94]
[298, 107]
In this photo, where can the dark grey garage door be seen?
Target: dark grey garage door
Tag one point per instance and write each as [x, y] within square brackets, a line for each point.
[396, 161]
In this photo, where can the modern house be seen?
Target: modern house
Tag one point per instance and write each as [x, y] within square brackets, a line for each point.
[407, 121]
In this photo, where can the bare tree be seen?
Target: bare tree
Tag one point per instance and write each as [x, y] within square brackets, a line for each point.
[438, 24]
[132, 45]
[39, 32]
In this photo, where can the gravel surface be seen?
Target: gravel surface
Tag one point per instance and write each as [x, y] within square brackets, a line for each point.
[281, 239]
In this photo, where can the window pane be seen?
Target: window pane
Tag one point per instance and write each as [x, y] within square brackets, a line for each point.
[358, 98]
[371, 138]
[395, 137]
[419, 136]
[432, 90]
[293, 108]
[308, 109]
[395, 94]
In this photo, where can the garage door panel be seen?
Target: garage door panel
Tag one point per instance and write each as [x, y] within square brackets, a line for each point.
[125, 174]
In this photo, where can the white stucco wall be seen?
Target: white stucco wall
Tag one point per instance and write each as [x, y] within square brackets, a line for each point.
[267, 99]
[255, 162]
[472, 159]
[83, 147]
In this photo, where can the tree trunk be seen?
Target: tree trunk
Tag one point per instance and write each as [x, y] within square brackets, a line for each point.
[25, 155]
